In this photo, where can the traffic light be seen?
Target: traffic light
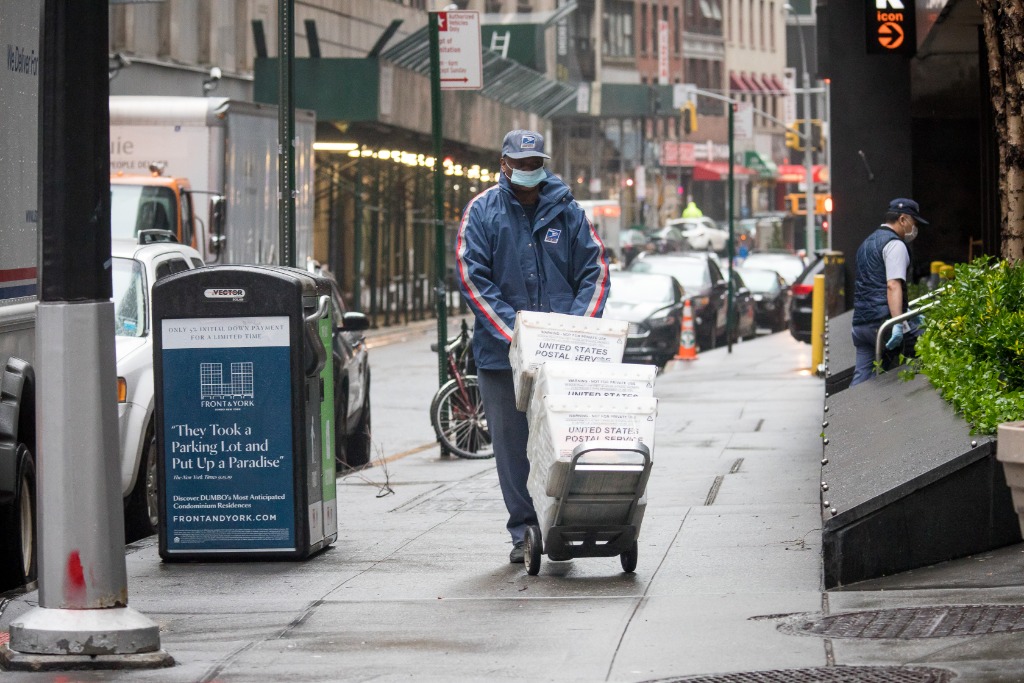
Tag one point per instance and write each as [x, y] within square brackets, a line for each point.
[689, 115]
[828, 204]
[793, 140]
[817, 136]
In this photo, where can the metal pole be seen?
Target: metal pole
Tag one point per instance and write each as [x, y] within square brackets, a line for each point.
[83, 592]
[731, 201]
[357, 237]
[286, 131]
[440, 267]
[828, 152]
[808, 146]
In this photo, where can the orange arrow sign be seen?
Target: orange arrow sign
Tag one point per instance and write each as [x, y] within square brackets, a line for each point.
[890, 35]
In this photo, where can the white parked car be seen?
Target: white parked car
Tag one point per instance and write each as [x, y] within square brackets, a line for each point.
[135, 267]
[701, 234]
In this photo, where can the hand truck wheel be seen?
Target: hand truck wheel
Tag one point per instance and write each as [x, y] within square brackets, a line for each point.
[629, 558]
[532, 550]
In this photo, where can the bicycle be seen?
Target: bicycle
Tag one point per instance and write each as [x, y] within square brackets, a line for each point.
[457, 411]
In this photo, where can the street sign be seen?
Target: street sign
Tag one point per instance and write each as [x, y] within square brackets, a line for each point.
[663, 76]
[683, 94]
[459, 44]
[890, 27]
[744, 121]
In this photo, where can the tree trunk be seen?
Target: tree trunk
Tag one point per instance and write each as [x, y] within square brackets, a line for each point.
[1004, 43]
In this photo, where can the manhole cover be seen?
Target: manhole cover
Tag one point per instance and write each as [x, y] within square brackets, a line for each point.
[826, 674]
[917, 622]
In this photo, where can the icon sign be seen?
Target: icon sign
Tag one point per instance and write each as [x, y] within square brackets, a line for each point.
[891, 27]
[461, 63]
[890, 35]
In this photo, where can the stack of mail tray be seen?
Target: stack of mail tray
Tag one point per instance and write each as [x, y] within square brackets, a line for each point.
[559, 424]
[579, 379]
[541, 337]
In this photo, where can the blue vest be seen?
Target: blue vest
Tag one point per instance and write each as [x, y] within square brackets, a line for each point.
[870, 301]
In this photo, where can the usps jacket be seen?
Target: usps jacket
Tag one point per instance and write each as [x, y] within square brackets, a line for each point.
[504, 266]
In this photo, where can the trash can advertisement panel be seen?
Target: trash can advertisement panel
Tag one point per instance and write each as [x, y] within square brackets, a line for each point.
[228, 461]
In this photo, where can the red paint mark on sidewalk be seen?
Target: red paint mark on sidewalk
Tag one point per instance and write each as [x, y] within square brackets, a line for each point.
[5, 637]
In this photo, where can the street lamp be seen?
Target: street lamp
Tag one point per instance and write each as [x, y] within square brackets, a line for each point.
[808, 142]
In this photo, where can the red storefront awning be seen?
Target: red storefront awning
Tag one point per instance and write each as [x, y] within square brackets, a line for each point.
[767, 85]
[717, 170]
[778, 84]
[752, 85]
[736, 84]
[791, 173]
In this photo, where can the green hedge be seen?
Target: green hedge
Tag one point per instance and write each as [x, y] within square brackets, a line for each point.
[972, 348]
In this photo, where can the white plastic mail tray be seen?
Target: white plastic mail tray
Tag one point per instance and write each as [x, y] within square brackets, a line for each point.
[561, 423]
[541, 337]
[578, 379]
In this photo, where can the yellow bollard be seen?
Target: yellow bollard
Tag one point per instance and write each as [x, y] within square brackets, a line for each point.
[818, 323]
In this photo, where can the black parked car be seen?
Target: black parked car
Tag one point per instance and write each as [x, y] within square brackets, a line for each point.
[653, 305]
[744, 310]
[352, 425]
[771, 297]
[703, 284]
[803, 298]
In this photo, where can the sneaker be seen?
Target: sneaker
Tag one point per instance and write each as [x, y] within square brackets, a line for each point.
[518, 554]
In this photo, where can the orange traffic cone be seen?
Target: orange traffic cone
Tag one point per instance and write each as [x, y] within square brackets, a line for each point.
[687, 338]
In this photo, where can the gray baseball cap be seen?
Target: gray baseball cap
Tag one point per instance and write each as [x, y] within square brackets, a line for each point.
[520, 144]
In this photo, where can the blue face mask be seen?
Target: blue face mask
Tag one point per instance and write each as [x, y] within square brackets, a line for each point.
[528, 178]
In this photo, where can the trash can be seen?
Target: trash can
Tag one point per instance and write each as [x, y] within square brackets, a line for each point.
[243, 381]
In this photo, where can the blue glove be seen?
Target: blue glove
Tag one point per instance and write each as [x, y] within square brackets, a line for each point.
[897, 337]
[919, 320]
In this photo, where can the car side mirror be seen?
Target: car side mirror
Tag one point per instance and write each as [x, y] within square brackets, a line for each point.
[353, 321]
[218, 218]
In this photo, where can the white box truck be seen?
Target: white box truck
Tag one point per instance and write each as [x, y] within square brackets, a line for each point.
[19, 99]
[207, 169]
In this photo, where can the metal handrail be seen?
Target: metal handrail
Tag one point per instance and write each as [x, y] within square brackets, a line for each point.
[906, 316]
[892, 321]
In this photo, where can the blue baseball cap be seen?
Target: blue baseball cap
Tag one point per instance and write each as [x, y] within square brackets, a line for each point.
[520, 144]
[909, 207]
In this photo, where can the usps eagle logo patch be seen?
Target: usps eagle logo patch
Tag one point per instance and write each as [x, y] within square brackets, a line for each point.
[553, 235]
[529, 142]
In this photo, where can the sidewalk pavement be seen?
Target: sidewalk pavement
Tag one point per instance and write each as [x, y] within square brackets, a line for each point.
[418, 587]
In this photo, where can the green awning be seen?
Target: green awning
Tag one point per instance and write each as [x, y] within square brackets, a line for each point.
[765, 168]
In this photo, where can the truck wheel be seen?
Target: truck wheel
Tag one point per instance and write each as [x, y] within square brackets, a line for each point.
[18, 531]
[359, 446]
[141, 513]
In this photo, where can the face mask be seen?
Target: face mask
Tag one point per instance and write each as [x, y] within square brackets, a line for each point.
[528, 178]
[910, 236]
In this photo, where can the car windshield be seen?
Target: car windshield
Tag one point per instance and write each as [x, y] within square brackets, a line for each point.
[691, 273]
[141, 207]
[760, 280]
[641, 289]
[129, 281]
[787, 265]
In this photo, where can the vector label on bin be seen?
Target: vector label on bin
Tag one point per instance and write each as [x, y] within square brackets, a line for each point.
[228, 464]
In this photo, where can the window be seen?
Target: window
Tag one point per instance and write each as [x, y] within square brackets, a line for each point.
[771, 26]
[170, 267]
[761, 23]
[618, 29]
[643, 29]
[129, 290]
[677, 40]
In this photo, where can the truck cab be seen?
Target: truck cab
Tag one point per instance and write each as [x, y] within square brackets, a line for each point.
[152, 202]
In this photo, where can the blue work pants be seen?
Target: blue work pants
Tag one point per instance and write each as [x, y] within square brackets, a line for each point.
[509, 432]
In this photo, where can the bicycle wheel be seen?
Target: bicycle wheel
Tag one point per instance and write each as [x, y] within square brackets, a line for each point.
[457, 415]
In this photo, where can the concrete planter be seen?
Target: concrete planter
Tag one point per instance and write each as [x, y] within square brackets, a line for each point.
[1010, 452]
